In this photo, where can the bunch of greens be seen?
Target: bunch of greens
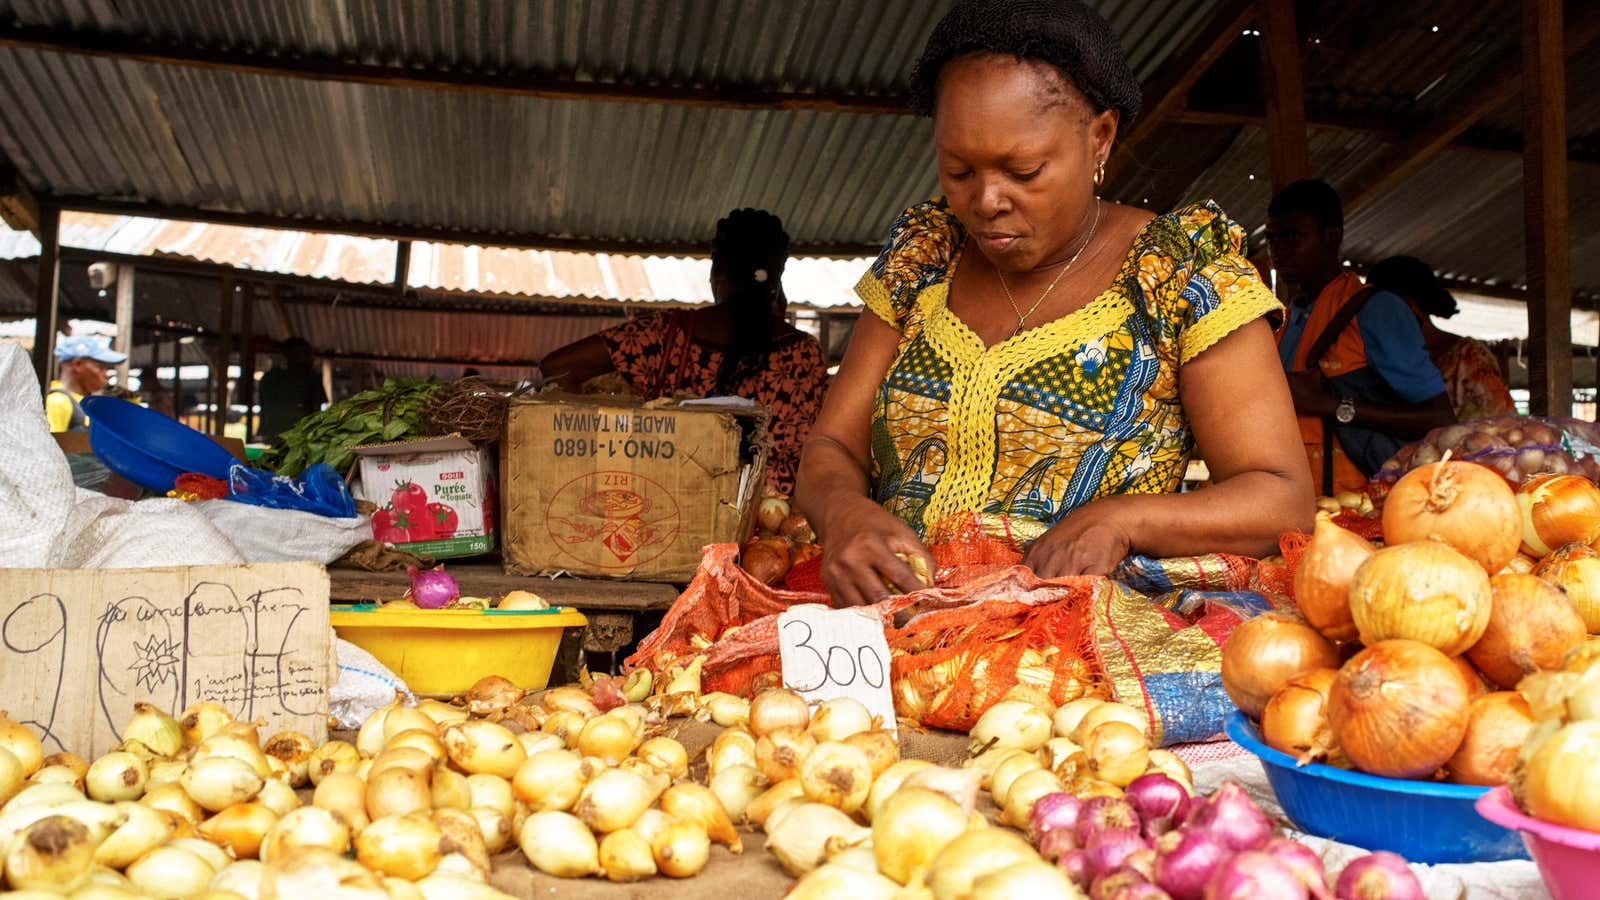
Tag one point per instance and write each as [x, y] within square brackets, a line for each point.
[388, 413]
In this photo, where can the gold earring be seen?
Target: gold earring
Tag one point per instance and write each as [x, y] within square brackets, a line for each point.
[1100, 173]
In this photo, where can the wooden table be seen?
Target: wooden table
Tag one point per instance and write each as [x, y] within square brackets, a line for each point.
[615, 609]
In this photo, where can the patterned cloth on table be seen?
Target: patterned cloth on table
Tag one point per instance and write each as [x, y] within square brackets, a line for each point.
[1080, 408]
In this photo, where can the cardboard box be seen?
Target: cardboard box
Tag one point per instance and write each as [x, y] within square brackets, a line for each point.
[83, 645]
[611, 488]
[434, 495]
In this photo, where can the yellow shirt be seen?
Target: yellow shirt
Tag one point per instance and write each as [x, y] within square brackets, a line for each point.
[58, 409]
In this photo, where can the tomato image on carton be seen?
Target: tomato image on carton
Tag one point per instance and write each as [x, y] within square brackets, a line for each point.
[435, 496]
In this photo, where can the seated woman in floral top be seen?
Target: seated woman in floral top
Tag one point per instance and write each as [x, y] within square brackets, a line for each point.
[1038, 356]
[742, 346]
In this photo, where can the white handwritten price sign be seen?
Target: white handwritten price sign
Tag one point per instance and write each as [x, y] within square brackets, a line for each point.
[831, 653]
[78, 647]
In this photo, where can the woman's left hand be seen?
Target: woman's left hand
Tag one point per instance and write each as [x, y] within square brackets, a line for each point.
[1091, 541]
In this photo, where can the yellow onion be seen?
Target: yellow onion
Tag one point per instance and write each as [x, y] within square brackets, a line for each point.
[1118, 753]
[417, 739]
[202, 720]
[294, 750]
[49, 854]
[1296, 718]
[650, 823]
[626, 856]
[538, 742]
[558, 844]
[736, 788]
[1399, 709]
[550, 781]
[690, 802]
[637, 686]
[242, 877]
[231, 746]
[64, 775]
[334, 756]
[165, 771]
[317, 872]
[479, 747]
[1561, 780]
[409, 758]
[219, 782]
[1262, 654]
[777, 708]
[490, 695]
[1558, 510]
[174, 799]
[1169, 764]
[910, 830]
[142, 830]
[1423, 591]
[240, 829]
[837, 774]
[1026, 790]
[762, 807]
[681, 849]
[494, 827]
[1322, 579]
[70, 760]
[1067, 718]
[733, 747]
[138, 748]
[406, 718]
[803, 838]
[972, 855]
[608, 737]
[880, 747]
[441, 713]
[614, 798]
[1497, 726]
[684, 680]
[839, 718]
[724, 709]
[278, 797]
[462, 838]
[1008, 772]
[450, 789]
[1532, 626]
[369, 739]
[836, 880]
[1468, 506]
[402, 846]
[569, 699]
[116, 776]
[1011, 723]
[1575, 569]
[491, 792]
[309, 827]
[171, 872]
[779, 753]
[397, 791]
[1035, 878]
[250, 731]
[149, 726]
[344, 795]
[665, 755]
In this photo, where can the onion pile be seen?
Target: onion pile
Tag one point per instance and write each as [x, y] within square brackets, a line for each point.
[1558, 768]
[783, 539]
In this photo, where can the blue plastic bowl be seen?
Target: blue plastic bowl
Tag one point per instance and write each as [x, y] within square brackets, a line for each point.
[1424, 821]
[148, 448]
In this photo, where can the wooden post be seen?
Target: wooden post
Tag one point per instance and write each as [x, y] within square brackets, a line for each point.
[402, 268]
[177, 378]
[221, 355]
[46, 301]
[1544, 198]
[247, 360]
[1285, 92]
[124, 321]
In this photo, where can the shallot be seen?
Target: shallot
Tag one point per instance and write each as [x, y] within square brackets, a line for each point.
[1233, 819]
[1158, 800]
[432, 588]
[1378, 876]
[1252, 875]
[1185, 861]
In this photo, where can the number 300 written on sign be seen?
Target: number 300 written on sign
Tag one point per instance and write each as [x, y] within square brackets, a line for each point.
[857, 662]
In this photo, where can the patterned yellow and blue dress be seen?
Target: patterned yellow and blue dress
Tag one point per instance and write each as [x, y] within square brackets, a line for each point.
[1083, 407]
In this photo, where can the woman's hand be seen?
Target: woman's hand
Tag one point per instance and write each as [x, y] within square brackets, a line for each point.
[859, 562]
[1091, 541]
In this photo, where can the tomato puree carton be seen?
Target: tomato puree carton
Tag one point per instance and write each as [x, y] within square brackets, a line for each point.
[434, 495]
[606, 487]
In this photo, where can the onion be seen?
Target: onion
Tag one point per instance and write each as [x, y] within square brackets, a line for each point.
[1117, 752]
[880, 747]
[565, 724]
[1561, 780]
[1296, 718]
[1301, 861]
[761, 808]
[736, 788]
[558, 844]
[174, 799]
[1057, 842]
[614, 798]
[1075, 865]
[1232, 818]
[402, 846]
[550, 781]
[432, 588]
[1558, 510]
[777, 708]
[484, 748]
[71, 761]
[240, 828]
[1067, 718]
[1026, 791]
[1108, 848]
[837, 774]
[681, 850]
[220, 782]
[316, 872]
[1399, 709]
[1101, 813]
[771, 513]
[1322, 579]
[803, 838]
[450, 790]
[1252, 875]
[1011, 723]
[402, 719]
[626, 856]
[779, 753]
[1575, 569]
[911, 829]
[397, 791]
[1185, 861]
[1169, 764]
[638, 684]
[1052, 812]
[1497, 726]
[334, 756]
[1423, 591]
[308, 827]
[690, 802]
[441, 713]
[973, 855]
[1033, 878]
[839, 718]
[49, 854]
[836, 880]
[142, 830]
[490, 695]
[116, 776]
[1263, 653]
[171, 872]
[1159, 801]
[522, 600]
[491, 792]
[1468, 506]
[202, 720]
[1532, 626]
[232, 746]
[1378, 876]
[608, 737]
[733, 747]
[148, 725]
[766, 559]
[1476, 686]
[344, 795]
[959, 785]
[242, 877]
[494, 827]
[1008, 772]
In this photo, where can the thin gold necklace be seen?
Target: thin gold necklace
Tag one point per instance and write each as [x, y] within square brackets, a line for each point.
[1022, 317]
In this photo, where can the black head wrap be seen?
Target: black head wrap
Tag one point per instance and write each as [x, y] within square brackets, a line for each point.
[1064, 33]
[751, 247]
[1412, 278]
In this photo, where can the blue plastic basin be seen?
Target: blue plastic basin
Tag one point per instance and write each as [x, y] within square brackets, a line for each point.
[148, 448]
[1424, 821]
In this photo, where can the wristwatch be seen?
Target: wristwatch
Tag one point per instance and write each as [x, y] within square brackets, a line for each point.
[1345, 412]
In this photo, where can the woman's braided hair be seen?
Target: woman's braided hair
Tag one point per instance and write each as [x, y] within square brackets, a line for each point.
[1066, 34]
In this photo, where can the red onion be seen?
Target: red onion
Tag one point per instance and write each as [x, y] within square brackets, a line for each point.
[1108, 848]
[1100, 813]
[1253, 875]
[1075, 865]
[1058, 810]
[1115, 884]
[432, 588]
[1235, 820]
[608, 693]
[1143, 862]
[1158, 800]
[1378, 876]
[1302, 861]
[1057, 842]
[1185, 860]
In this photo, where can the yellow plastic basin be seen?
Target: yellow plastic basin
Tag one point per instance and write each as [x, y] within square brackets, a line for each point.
[443, 651]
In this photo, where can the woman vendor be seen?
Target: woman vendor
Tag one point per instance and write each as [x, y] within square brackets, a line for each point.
[1042, 357]
[741, 346]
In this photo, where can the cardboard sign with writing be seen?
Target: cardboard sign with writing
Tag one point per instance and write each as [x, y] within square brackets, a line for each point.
[78, 647]
[830, 653]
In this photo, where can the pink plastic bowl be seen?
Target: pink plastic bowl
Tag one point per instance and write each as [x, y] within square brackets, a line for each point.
[1568, 858]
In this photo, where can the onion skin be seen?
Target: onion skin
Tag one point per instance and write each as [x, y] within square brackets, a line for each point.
[1575, 569]
[1558, 510]
[1497, 726]
[1322, 579]
[1296, 718]
[1532, 626]
[1424, 591]
[1468, 506]
[1399, 709]
[1262, 654]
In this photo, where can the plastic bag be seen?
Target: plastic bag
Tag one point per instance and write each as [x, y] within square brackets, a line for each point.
[1518, 447]
[263, 534]
[318, 489]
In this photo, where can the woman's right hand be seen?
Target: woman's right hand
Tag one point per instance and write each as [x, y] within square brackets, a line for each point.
[859, 561]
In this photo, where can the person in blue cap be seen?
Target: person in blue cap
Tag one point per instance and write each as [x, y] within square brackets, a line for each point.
[85, 361]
